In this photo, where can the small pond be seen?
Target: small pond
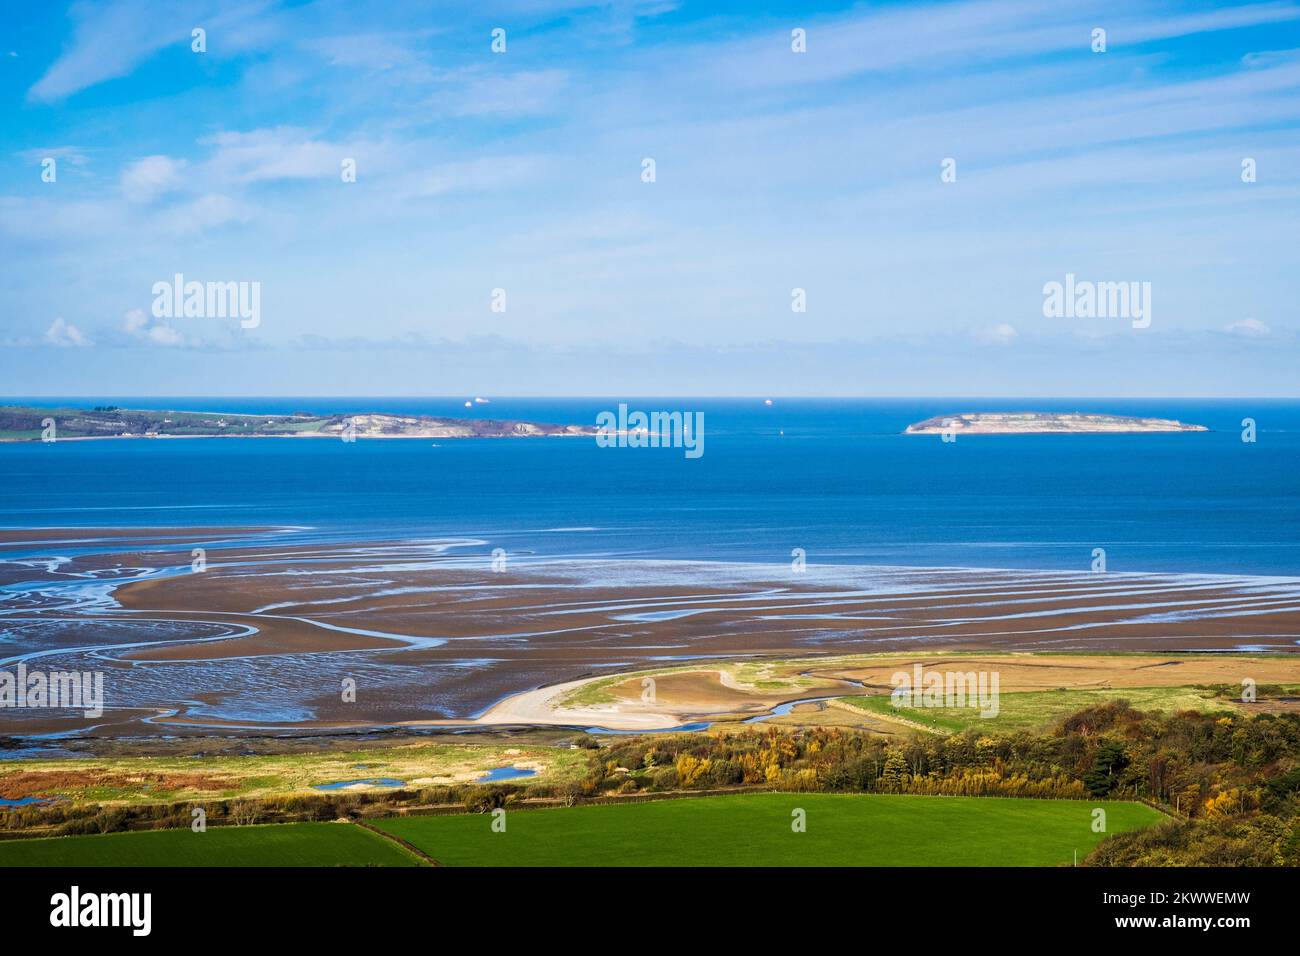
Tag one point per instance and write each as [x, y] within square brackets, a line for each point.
[506, 773]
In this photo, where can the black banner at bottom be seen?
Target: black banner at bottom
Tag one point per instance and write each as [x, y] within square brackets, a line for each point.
[332, 906]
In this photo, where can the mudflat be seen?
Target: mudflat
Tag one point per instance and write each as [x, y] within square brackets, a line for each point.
[265, 634]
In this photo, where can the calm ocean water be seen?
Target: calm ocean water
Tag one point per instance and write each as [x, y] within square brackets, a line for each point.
[833, 477]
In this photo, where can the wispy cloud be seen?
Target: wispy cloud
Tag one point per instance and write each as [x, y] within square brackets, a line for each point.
[775, 170]
[112, 38]
[272, 154]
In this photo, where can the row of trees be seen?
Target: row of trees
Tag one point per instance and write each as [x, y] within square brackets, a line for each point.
[1232, 780]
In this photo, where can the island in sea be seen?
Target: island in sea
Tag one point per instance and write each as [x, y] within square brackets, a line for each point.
[1044, 423]
[25, 423]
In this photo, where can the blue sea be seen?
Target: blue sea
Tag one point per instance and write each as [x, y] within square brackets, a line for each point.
[833, 477]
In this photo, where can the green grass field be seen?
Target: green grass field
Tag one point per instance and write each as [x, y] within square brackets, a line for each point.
[288, 844]
[1035, 710]
[755, 830]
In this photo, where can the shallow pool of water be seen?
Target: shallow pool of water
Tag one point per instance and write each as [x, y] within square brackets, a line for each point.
[506, 773]
[25, 801]
[780, 710]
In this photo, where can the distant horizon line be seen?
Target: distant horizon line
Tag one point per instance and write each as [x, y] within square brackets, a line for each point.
[774, 396]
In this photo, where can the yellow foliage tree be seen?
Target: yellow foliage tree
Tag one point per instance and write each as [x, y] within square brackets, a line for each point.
[691, 769]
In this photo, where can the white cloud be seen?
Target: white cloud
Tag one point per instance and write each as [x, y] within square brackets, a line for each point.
[138, 326]
[150, 177]
[110, 40]
[203, 213]
[516, 94]
[1248, 328]
[134, 322]
[1001, 334]
[65, 334]
[72, 155]
[405, 50]
[489, 174]
[165, 335]
[263, 155]
[113, 37]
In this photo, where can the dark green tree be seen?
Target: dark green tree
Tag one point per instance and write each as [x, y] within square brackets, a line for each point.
[1106, 767]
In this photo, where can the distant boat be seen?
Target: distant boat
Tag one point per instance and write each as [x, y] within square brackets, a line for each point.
[469, 404]
[767, 401]
[482, 401]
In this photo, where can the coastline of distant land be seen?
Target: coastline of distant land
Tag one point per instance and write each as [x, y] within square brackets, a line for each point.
[1044, 423]
[31, 423]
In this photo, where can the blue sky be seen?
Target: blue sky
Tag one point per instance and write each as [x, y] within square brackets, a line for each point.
[775, 170]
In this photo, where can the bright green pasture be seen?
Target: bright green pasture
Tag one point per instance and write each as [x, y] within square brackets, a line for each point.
[755, 830]
[285, 844]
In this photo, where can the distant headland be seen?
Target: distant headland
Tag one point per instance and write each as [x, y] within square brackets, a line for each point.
[26, 423]
[1044, 423]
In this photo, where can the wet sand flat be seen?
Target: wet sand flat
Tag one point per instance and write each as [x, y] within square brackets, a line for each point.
[266, 633]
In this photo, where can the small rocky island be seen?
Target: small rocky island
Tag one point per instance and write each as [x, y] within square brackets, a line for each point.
[26, 423]
[1044, 423]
